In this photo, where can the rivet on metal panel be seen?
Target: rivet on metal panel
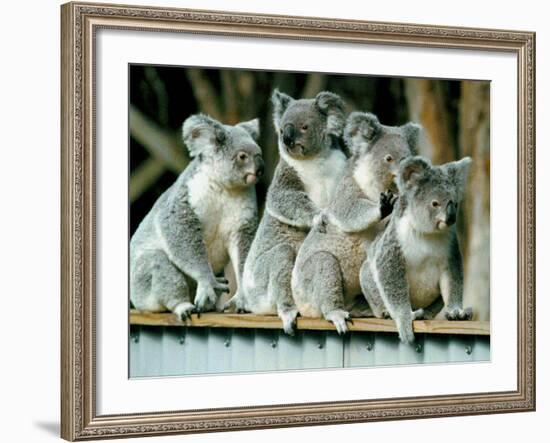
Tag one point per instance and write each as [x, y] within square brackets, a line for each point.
[419, 348]
[135, 338]
[369, 346]
[468, 349]
[227, 343]
[273, 343]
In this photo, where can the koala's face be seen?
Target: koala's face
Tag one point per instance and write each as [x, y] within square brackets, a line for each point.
[231, 152]
[377, 150]
[305, 127]
[433, 193]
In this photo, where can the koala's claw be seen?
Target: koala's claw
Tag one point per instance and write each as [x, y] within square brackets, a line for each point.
[339, 318]
[387, 200]
[458, 314]
[184, 311]
[234, 304]
[222, 280]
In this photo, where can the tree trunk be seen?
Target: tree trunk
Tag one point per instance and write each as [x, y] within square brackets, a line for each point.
[427, 105]
[474, 140]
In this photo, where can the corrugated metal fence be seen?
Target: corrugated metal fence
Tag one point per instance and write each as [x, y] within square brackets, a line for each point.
[168, 351]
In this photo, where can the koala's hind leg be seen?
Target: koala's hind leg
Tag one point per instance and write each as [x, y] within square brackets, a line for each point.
[432, 310]
[167, 285]
[322, 281]
[281, 262]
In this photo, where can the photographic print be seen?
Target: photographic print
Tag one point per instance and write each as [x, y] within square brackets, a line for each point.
[300, 220]
[252, 201]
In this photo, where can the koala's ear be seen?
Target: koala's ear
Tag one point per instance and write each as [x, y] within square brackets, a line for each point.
[411, 131]
[332, 106]
[281, 102]
[411, 171]
[202, 134]
[252, 127]
[361, 128]
[458, 173]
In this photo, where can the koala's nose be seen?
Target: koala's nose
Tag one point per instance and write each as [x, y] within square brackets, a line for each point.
[289, 135]
[450, 216]
[260, 166]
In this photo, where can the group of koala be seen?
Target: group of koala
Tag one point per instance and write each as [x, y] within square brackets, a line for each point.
[355, 223]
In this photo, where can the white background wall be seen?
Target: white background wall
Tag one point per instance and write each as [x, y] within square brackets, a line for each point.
[29, 226]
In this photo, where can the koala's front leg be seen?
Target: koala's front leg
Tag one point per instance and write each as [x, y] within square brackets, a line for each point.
[180, 232]
[387, 268]
[239, 246]
[293, 208]
[281, 262]
[451, 285]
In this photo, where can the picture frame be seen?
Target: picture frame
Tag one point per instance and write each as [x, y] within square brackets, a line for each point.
[79, 179]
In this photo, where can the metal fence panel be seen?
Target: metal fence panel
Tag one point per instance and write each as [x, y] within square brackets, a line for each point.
[172, 351]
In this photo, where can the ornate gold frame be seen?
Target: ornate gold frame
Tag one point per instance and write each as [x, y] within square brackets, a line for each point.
[79, 420]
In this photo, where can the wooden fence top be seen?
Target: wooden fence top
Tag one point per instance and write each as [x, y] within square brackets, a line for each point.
[224, 320]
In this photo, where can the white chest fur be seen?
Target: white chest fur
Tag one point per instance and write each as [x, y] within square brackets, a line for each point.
[426, 261]
[320, 175]
[363, 176]
[221, 213]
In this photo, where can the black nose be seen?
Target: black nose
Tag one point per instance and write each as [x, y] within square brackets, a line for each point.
[450, 218]
[260, 166]
[289, 135]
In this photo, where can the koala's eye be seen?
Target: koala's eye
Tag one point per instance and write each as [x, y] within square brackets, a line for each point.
[242, 156]
[388, 158]
[304, 127]
[435, 203]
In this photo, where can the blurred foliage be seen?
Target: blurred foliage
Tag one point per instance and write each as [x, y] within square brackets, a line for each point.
[454, 114]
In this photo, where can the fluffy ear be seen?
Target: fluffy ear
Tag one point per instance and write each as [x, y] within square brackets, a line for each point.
[202, 133]
[361, 128]
[252, 127]
[411, 131]
[411, 172]
[281, 102]
[458, 173]
[332, 106]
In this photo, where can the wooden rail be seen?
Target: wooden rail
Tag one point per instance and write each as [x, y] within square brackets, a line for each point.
[222, 320]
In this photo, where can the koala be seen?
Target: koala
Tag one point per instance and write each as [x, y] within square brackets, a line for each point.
[310, 165]
[208, 216]
[415, 265]
[325, 279]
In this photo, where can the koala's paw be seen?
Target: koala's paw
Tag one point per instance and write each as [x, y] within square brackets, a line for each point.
[288, 318]
[235, 304]
[404, 323]
[206, 297]
[419, 314]
[387, 200]
[406, 335]
[339, 318]
[184, 310]
[320, 223]
[458, 314]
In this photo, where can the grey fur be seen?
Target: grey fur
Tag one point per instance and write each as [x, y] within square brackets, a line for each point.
[208, 216]
[416, 260]
[325, 279]
[299, 190]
